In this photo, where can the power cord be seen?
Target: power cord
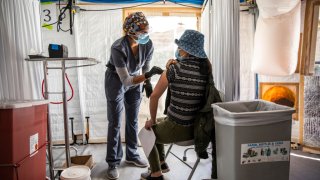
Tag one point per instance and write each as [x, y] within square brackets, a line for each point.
[62, 16]
[72, 91]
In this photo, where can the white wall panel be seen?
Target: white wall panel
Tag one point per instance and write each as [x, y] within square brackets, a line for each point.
[95, 33]
[51, 36]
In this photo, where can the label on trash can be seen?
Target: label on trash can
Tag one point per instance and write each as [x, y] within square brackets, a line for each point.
[265, 152]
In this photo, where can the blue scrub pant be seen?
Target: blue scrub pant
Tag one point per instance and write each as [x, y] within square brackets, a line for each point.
[119, 97]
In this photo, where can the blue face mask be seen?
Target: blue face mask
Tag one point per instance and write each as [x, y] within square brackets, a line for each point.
[178, 56]
[142, 39]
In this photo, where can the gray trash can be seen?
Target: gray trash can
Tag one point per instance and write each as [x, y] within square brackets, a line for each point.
[252, 140]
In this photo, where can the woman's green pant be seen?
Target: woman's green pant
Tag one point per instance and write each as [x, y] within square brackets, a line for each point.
[166, 132]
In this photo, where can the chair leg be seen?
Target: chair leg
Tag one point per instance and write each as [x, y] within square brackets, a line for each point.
[194, 168]
[168, 151]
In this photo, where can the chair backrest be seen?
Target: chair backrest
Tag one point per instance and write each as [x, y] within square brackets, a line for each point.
[185, 143]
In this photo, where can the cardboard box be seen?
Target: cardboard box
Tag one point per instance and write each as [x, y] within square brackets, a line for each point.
[85, 160]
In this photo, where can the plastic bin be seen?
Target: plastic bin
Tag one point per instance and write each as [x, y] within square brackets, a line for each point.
[76, 173]
[252, 140]
[23, 132]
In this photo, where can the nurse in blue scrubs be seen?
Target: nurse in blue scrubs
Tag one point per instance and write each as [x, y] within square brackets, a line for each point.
[128, 73]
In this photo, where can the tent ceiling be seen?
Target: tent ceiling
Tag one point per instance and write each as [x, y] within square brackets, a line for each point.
[196, 2]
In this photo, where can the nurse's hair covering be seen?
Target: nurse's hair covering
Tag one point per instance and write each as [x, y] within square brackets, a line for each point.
[134, 22]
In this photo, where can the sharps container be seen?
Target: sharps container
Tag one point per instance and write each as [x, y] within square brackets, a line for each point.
[252, 140]
[23, 136]
[76, 173]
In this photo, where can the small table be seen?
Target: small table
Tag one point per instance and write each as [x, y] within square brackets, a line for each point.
[81, 62]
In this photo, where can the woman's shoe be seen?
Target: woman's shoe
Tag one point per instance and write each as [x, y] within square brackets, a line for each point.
[164, 168]
[147, 176]
[155, 178]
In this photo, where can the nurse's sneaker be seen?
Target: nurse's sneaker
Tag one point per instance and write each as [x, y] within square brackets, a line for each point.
[112, 172]
[138, 162]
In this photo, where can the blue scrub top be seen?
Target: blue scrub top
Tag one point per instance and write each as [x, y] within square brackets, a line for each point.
[122, 56]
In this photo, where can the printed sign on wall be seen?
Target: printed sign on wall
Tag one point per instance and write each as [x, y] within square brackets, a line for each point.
[265, 152]
[48, 15]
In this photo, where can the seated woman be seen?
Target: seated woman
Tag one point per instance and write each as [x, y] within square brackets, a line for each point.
[187, 79]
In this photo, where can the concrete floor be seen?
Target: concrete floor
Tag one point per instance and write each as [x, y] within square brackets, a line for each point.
[300, 168]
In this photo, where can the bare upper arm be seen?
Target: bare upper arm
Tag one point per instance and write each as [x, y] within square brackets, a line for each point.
[161, 86]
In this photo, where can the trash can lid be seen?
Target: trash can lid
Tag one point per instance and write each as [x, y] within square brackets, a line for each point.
[12, 104]
[251, 113]
[76, 173]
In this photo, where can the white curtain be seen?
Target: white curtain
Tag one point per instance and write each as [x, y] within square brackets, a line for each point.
[225, 47]
[246, 35]
[20, 35]
[205, 28]
[95, 32]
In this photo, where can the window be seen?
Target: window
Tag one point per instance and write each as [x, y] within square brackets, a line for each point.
[166, 25]
[164, 30]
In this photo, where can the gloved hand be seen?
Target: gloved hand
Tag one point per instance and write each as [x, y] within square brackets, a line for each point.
[154, 70]
[148, 87]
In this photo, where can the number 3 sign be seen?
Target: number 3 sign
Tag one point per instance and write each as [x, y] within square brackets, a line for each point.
[48, 15]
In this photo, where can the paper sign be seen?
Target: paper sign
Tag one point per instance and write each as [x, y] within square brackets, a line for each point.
[48, 16]
[34, 143]
[265, 152]
[147, 139]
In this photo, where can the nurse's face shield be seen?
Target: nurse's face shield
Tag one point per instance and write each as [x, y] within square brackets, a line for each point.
[143, 33]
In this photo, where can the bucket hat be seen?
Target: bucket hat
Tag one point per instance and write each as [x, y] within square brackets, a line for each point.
[192, 42]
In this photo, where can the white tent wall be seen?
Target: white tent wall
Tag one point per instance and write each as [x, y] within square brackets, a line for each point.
[216, 29]
[95, 33]
[246, 33]
[92, 36]
[51, 36]
[294, 78]
[205, 28]
[246, 36]
[278, 19]
[19, 35]
[225, 47]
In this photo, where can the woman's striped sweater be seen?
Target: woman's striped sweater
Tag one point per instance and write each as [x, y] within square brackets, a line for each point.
[187, 87]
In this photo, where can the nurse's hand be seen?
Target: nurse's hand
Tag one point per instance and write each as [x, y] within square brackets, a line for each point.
[154, 70]
[171, 61]
[148, 87]
[148, 124]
